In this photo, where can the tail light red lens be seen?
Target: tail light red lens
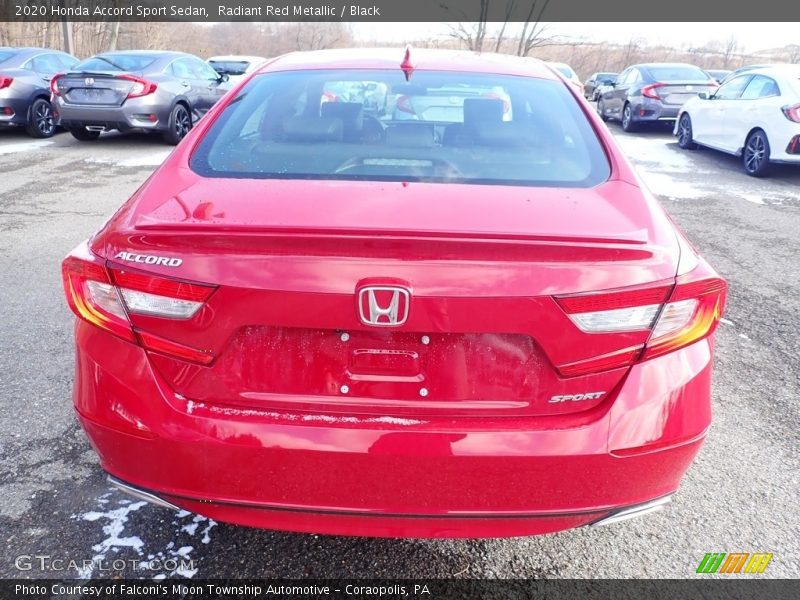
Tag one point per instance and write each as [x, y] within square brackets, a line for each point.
[5, 81]
[792, 112]
[92, 296]
[674, 315]
[404, 105]
[54, 84]
[650, 91]
[494, 96]
[141, 87]
[106, 297]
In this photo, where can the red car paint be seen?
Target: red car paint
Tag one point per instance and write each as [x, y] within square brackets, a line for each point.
[275, 406]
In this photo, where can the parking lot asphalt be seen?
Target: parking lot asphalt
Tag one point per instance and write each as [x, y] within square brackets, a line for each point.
[741, 495]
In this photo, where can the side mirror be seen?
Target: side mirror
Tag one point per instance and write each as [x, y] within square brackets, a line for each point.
[223, 78]
[703, 95]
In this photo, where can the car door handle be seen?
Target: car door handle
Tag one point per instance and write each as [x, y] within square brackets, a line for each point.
[186, 84]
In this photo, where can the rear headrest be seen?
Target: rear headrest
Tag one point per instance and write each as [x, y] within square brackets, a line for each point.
[506, 134]
[410, 134]
[351, 113]
[313, 129]
[483, 110]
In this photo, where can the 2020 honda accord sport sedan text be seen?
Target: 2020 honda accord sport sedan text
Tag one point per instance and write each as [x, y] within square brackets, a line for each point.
[315, 317]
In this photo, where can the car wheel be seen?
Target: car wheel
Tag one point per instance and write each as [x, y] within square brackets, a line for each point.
[685, 139]
[41, 122]
[627, 119]
[180, 123]
[84, 135]
[755, 156]
[601, 110]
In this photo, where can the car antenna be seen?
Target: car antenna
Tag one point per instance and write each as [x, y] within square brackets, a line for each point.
[407, 65]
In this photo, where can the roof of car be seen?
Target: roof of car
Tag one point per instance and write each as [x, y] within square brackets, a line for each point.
[29, 49]
[666, 64]
[140, 52]
[787, 70]
[421, 58]
[237, 57]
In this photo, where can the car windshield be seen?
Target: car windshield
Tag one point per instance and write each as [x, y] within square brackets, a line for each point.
[5, 55]
[374, 125]
[678, 73]
[116, 62]
[230, 67]
[604, 76]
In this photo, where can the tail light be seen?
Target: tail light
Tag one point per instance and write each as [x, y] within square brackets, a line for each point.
[404, 105]
[5, 81]
[649, 91]
[790, 112]
[105, 297]
[494, 96]
[329, 97]
[54, 84]
[141, 87]
[669, 316]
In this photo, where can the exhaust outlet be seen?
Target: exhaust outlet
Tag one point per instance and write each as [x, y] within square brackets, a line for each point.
[140, 493]
[634, 511]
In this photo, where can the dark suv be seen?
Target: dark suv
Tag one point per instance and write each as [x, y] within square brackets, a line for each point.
[25, 75]
[652, 92]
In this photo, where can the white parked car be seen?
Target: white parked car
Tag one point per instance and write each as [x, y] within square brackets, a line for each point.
[755, 115]
[569, 74]
[235, 67]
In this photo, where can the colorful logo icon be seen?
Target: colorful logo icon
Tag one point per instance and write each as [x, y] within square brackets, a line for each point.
[735, 562]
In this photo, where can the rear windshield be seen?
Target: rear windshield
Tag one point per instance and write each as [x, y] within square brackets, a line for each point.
[373, 125]
[678, 73]
[230, 67]
[5, 55]
[116, 62]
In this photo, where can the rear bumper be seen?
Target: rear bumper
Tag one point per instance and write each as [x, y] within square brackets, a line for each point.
[134, 114]
[654, 110]
[19, 108]
[437, 477]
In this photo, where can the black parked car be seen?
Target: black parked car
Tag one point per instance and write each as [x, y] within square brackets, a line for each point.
[652, 93]
[25, 75]
[591, 87]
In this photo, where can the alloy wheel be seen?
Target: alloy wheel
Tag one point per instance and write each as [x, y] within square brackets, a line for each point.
[182, 122]
[43, 118]
[755, 153]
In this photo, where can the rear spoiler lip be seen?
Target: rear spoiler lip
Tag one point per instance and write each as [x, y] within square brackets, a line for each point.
[637, 237]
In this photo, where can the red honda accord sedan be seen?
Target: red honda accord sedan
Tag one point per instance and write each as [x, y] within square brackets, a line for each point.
[396, 294]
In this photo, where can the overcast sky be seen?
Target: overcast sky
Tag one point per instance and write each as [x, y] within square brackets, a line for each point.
[751, 36]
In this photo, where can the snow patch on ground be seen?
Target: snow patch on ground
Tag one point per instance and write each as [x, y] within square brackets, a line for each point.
[13, 148]
[115, 511]
[664, 168]
[150, 159]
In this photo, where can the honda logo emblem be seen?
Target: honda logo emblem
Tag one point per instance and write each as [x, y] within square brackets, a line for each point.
[383, 306]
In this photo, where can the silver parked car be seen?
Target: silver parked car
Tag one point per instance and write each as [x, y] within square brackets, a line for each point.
[651, 93]
[166, 92]
[25, 75]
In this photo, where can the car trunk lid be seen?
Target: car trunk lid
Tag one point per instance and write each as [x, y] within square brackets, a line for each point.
[96, 88]
[294, 262]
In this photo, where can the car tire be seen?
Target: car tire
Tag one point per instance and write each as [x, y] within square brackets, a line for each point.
[180, 123]
[84, 135]
[628, 124]
[685, 139]
[600, 110]
[41, 122]
[755, 155]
